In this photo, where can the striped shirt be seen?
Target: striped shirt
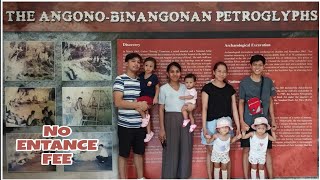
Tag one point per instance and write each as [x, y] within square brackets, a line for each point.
[130, 88]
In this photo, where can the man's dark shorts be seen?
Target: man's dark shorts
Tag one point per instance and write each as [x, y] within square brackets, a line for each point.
[246, 142]
[131, 137]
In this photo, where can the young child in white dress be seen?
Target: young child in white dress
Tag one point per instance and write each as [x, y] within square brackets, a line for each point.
[258, 145]
[221, 146]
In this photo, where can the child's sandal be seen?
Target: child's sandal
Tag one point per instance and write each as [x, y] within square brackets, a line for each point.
[148, 137]
[192, 127]
[185, 122]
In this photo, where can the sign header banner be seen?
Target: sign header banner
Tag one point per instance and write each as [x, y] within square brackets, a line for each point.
[160, 16]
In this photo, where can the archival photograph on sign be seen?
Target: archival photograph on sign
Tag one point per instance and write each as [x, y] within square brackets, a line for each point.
[24, 161]
[28, 60]
[100, 160]
[25, 106]
[86, 60]
[87, 106]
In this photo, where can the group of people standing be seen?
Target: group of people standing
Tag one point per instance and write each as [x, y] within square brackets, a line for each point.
[219, 108]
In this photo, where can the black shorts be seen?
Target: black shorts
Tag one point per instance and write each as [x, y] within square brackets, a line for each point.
[246, 142]
[131, 137]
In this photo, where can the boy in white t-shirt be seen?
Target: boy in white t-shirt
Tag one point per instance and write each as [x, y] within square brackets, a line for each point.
[190, 97]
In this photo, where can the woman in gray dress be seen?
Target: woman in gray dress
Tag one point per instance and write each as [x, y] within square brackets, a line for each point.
[176, 140]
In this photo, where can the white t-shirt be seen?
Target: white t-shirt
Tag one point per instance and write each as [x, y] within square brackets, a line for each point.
[191, 92]
[170, 97]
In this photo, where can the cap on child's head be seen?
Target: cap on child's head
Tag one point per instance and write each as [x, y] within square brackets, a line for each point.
[224, 122]
[260, 120]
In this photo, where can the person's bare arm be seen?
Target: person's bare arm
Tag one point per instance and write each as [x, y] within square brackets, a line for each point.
[186, 97]
[204, 99]
[273, 136]
[156, 96]
[271, 112]
[162, 133]
[235, 113]
[212, 138]
[236, 138]
[123, 104]
[246, 136]
[244, 126]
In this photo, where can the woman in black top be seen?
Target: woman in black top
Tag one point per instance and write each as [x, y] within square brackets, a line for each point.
[218, 100]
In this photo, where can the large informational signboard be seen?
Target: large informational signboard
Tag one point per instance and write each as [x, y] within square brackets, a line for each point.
[292, 63]
[78, 48]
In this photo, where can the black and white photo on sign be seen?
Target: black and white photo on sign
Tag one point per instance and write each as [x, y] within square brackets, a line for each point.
[87, 106]
[24, 161]
[100, 160]
[28, 60]
[86, 60]
[26, 106]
